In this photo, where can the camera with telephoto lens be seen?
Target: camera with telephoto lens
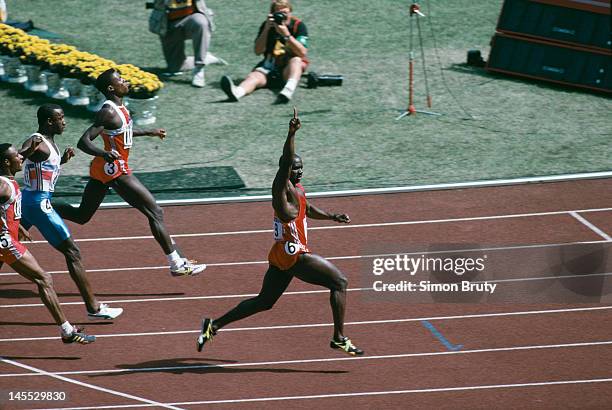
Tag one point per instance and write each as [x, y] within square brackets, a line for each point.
[279, 17]
[315, 80]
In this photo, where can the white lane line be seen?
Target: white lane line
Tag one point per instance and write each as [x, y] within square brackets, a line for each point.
[576, 276]
[413, 391]
[347, 257]
[360, 394]
[591, 226]
[119, 406]
[324, 360]
[305, 292]
[135, 268]
[350, 226]
[87, 385]
[388, 190]
[311, 325]
[245, 295]
[99, 270]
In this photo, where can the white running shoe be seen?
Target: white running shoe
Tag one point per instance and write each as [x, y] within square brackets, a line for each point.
[169, 74]
[188, 268]
[105, 313]
[198, 77]
[210, 59]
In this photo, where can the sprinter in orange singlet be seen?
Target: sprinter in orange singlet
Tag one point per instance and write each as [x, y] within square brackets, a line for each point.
[110, 169]
[290, 255]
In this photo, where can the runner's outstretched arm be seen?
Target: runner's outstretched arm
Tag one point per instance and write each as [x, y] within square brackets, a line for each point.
[317, 213]
[155, 132]
[282, 185]
[282, 175]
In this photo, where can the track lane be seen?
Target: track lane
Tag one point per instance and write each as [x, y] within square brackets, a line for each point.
[448, 208]
[338, 377]
[238, 342]
[547, 197]
[389, 239]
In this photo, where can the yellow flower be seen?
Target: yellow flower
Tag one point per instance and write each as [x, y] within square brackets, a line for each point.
[32, 48]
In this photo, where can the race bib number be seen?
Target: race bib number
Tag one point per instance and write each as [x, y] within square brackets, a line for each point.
[292, 248]
[18, 207]
[46, 206]
[54, 178]
[5, 241]
[110, 169]
[278, 230]
[127, 137]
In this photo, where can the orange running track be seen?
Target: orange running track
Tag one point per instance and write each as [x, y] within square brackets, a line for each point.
[542, 340]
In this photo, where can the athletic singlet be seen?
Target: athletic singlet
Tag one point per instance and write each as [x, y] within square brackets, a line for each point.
[120, 140]
[10, 214]
[291, 237]
[42, 176]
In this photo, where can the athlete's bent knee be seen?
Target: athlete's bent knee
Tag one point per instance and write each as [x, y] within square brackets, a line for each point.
[73, 253]
[44, 280]
[82, 218]
[341, 283]
[266, 303]
[157, 213]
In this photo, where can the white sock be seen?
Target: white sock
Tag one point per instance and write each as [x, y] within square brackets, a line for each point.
[239, 92]
[67, 329]
[174, 259]
[290, 85]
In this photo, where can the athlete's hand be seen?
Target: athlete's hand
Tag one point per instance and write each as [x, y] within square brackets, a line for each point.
[111, 156]
[159, 132]
[36, 141]
[68, 154]
[23, 235]
[341, 218]
[295, 123]
[32, 146]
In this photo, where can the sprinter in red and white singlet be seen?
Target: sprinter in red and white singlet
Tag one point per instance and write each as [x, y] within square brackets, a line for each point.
[118, 140]
[110, 169]
[290, 255]
[291, 237]
[14, 253]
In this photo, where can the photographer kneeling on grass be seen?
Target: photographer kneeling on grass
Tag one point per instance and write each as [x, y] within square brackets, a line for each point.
[283, 40]
[176, 21]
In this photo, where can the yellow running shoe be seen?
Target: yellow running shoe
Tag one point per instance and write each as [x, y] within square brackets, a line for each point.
[206, 334]
[346, 346]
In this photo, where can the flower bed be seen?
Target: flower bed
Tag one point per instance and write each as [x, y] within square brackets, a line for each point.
[69, 62]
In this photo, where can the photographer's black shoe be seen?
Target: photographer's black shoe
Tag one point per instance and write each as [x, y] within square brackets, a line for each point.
[285, 95]
[282, 99]
[228, 87]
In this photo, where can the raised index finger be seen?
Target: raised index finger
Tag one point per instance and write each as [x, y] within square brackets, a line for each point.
[295, 115]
